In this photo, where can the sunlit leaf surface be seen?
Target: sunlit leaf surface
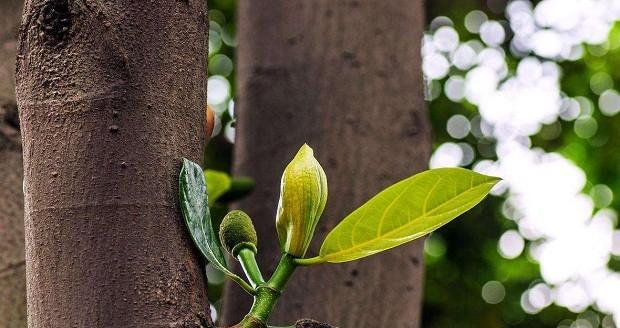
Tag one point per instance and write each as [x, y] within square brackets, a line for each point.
[405, 211]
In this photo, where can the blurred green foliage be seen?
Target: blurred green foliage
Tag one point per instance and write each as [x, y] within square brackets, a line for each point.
[468, 256]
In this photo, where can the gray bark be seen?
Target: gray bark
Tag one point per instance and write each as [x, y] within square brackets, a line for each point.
[111, 96]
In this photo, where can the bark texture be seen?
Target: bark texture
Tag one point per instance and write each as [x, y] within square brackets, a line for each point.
[306, 323]
[111, 96]
[12, 269]
[344, 76]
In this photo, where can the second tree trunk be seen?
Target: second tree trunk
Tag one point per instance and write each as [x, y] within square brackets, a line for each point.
[345, 77]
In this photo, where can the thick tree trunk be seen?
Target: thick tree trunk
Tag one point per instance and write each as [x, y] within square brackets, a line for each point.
[111, 96]
[344, 76]
[12, 269]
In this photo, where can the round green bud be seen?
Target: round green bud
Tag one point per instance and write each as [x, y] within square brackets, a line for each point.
[237, 232]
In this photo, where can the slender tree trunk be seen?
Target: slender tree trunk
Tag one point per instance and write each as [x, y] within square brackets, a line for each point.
[344, 76]
[12, 269]
[111, 96]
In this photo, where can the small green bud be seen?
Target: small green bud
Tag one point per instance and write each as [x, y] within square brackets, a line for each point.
[237, 232]
[303, 194]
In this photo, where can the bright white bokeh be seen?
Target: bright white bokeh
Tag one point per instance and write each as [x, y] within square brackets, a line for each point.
[492, 33]
[447, 155]
[435, 66]
[446, 39]
[511, 244]
[464, 57]
[455, 88]
[537, 298]
[458, 126]
[218, 91]
[609, 102]
[562, 222]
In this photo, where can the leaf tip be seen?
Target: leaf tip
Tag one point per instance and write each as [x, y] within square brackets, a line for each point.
[185, 164]
[494, 178]
[490, 178]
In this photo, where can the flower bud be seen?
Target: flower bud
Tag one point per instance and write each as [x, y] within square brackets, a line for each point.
[237, 232]
[303, 194]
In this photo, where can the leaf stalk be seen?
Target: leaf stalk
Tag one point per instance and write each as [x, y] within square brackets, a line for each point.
[309, 261]
[247, 258]
[243, 284]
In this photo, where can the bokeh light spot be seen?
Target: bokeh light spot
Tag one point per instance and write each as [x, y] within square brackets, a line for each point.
[474, 19]
[458, 126]
[435, 245]
[600, 82]
[446, 39]
[218, 90]
[448, 154]
[511, 244]
[493, 292]
[585, 127]
[492, 33]
[435, 66]
[609, 102]
[602, 195]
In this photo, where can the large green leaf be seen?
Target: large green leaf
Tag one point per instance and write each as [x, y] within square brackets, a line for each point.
[405, 211]
[195, 209]
[218, 183]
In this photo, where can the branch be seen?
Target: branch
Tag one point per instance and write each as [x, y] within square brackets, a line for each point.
[303, 323]
[307, 323]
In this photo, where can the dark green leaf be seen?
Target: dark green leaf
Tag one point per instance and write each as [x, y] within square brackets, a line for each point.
[194, 206]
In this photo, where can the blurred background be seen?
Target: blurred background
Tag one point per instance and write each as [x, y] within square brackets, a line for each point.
[525, 90]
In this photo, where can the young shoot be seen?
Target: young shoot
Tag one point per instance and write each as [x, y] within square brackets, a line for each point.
[403, 212]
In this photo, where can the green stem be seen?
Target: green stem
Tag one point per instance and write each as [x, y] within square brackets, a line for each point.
[267, 294]
[283, 272]
[264, 302]
[247, 259]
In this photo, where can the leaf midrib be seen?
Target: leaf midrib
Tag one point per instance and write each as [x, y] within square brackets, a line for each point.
[358, 246]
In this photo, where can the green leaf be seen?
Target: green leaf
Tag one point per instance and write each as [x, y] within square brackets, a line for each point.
[218, 183]
[194, 200]
[405, 211]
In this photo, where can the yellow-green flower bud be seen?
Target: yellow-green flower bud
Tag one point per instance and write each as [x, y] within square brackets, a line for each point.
[237, 232]
[303, 194]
